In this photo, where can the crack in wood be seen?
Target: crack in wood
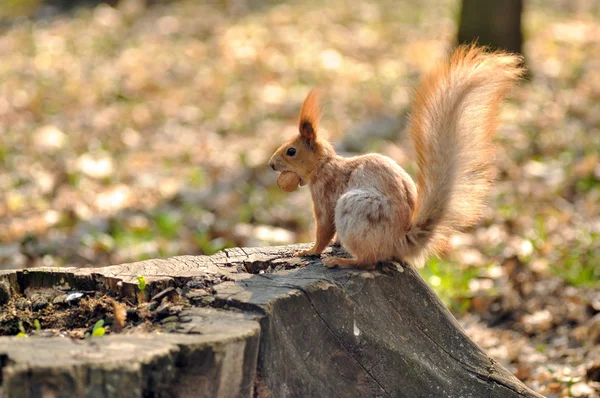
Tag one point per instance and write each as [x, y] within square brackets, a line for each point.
[342, 344]
[490, 372]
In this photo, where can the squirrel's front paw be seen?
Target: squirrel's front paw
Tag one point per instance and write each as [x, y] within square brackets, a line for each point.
[304, 253]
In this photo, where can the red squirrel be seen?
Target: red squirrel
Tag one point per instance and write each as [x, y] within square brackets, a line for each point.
[373, 205]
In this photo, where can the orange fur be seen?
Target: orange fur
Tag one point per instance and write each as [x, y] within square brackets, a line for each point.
[311, 111]
[372, 203]
[453, 123]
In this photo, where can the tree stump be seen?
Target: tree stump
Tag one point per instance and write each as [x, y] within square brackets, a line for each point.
[275, 326]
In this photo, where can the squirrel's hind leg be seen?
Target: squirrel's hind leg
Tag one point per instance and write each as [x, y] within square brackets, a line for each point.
[349, 263]
[363, 219]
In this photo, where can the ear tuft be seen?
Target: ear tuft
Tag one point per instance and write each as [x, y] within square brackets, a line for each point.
[310, 114]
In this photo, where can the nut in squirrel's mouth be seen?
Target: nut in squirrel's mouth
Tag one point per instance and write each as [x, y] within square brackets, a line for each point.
[288, 181]
[302, 182]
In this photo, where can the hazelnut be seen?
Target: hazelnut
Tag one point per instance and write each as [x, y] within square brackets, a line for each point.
[288, 181]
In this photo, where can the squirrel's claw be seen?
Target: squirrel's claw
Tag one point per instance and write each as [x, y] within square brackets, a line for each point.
[363, 264]
[330, 262]
[304, 253]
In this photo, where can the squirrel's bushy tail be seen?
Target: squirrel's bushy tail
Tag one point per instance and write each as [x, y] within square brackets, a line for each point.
[453, 122]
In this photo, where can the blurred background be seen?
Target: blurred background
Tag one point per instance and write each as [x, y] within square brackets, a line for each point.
[137, 129]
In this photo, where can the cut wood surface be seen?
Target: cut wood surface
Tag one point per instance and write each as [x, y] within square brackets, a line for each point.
[275, 326]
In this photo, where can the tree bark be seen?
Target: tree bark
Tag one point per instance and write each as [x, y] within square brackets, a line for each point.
[279, 326]
[493, 23]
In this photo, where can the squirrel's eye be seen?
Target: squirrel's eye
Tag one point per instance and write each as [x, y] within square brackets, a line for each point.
[291, 151]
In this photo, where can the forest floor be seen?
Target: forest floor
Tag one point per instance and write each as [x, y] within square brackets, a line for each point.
[138, 132]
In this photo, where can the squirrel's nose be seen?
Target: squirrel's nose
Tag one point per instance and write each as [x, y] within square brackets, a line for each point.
[272, 164]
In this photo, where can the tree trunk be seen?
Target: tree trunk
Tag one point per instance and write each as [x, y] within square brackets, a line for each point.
[276, 326]
[493, 23]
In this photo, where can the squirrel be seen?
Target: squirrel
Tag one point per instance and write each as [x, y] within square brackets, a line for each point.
[377, 211]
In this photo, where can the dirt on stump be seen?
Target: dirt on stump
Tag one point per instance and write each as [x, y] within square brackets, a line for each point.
[52, 312]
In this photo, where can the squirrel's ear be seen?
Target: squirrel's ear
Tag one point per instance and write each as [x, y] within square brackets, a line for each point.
[309, 118]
